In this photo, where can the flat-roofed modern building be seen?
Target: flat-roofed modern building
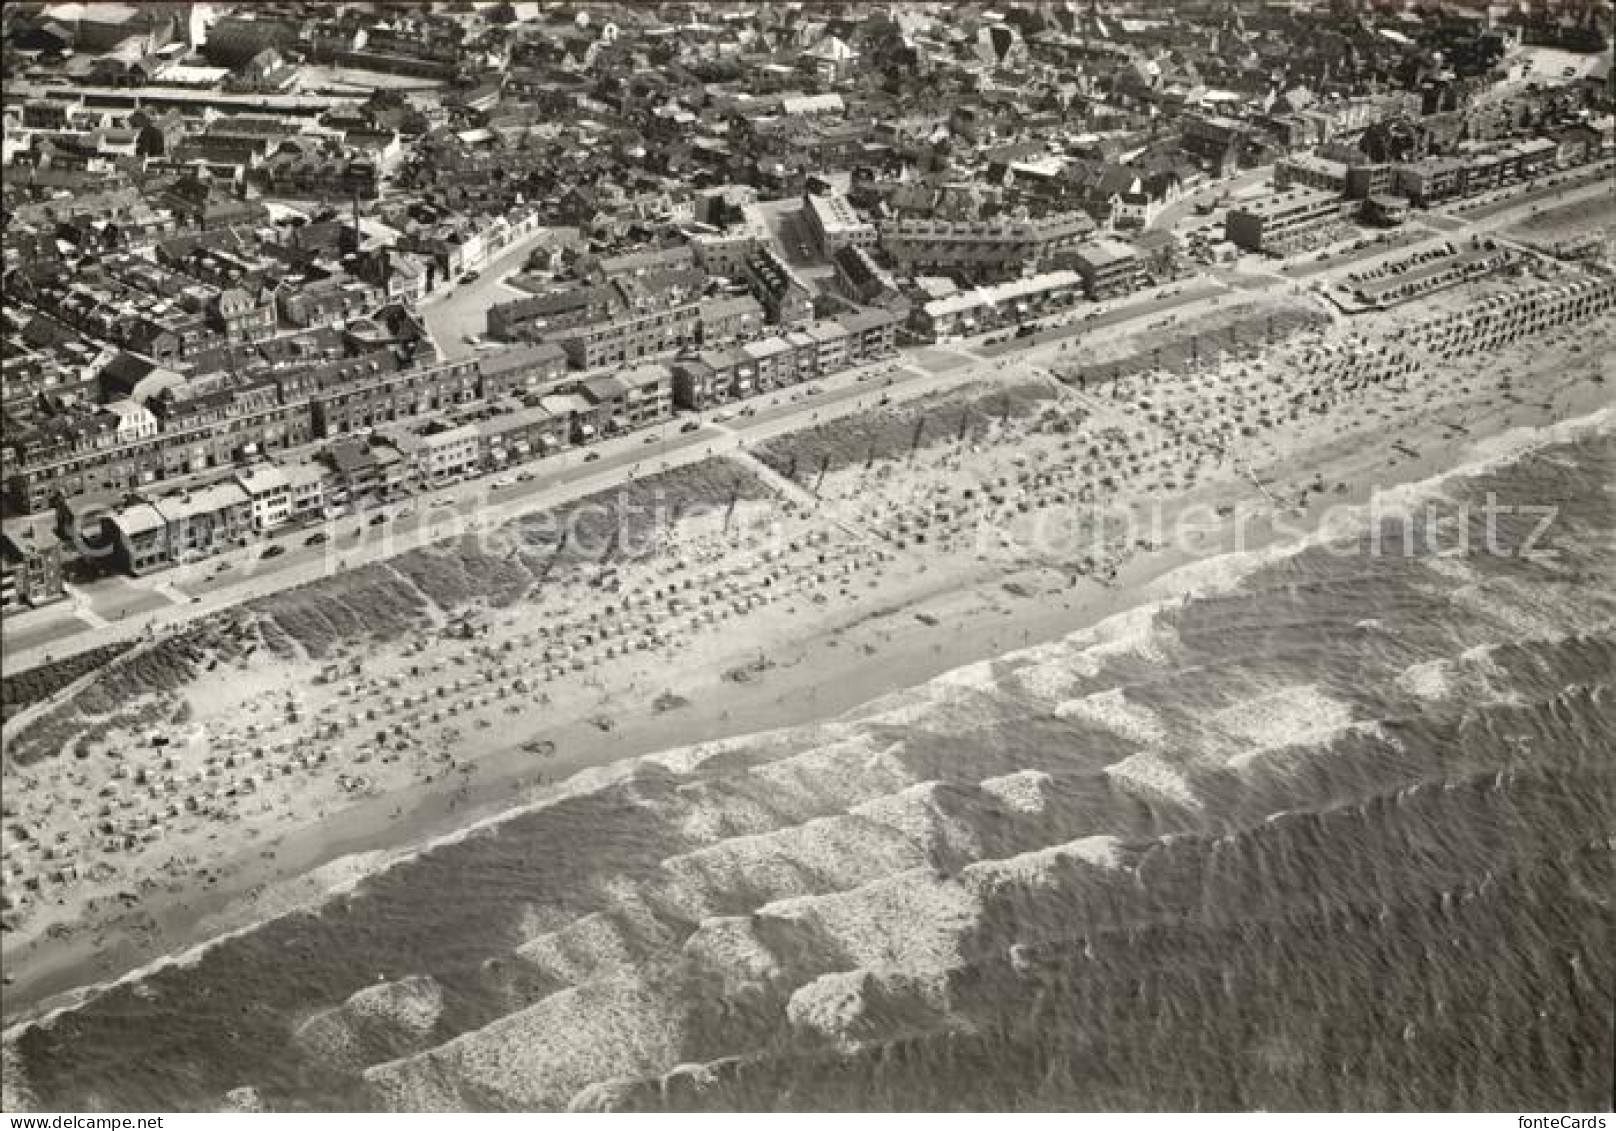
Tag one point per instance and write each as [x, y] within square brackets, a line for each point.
[981, 250]
[1308, 170]
[1108, 268]
[835, 224]
[975, 311]
[1270, 223]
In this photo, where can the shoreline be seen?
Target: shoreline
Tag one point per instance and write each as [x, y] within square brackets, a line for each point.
[374, 833]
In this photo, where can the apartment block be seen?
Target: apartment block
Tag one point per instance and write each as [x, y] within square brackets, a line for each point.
[1108, 268]
[835, 224]
[980, 250]
[1268, 223]
[985, 308]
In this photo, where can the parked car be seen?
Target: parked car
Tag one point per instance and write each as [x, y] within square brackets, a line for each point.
[471, 276]
[378, 519]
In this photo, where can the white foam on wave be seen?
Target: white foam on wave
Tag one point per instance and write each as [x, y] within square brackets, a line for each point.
[980, 676]
[826, 854]
[1050, 680]
[729, 948]
[409, 1007]
[1292, 716]
[915, 813]
[1148, 774]
[1133, 632]
[840, 775]
[1432, 679]
[1023, 791]
[541, 1056]
[1112, 710]
[911, 922]
[831, 1005]
[1043, 867]
[593, 946]
[713, 812]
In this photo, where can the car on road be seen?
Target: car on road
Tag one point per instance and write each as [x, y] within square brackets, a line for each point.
[690, 426]
[591, 457]
[720, 417]
[378, 519]
[812, 391]
[316, 538]
[749, 410]
[650, 439]
[470, 277]
[273, 551]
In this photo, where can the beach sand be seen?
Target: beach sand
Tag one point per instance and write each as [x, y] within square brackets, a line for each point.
[905, 595]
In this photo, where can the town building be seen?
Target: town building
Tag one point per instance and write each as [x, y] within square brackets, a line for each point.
[987, 308]
[1108, 268]
[30, 563]
[834, 224]
[1272, 223]
[980, 250]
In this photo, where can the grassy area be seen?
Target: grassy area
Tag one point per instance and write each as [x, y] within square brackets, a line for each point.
[378, 602]
[135, 688]
[892, 432]
[19, 692]
[389, 599]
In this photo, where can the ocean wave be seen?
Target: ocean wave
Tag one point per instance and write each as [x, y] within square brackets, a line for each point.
[948, 866]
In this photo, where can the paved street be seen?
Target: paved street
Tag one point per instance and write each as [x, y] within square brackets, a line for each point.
[464, 310]
[1184, 207]
[126, 607]
[129, 606]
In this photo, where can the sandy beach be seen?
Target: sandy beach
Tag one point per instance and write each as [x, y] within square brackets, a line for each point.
[286, 771]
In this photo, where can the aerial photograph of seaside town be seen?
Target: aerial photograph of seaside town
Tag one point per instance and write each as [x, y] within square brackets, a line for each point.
[808, 556]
